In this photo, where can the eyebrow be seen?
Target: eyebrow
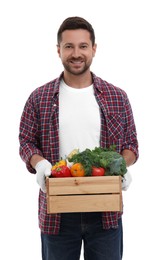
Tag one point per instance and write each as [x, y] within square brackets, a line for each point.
[70, 43]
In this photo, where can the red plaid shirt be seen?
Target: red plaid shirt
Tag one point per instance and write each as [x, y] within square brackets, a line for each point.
[39, 135]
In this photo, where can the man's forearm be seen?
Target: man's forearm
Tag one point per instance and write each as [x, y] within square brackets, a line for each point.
[35, 159]
[129, 157]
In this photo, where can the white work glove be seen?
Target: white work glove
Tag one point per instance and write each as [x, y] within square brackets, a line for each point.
[43, 170]
[126, 180]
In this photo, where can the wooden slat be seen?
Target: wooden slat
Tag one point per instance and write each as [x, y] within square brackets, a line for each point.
[84, 203]
[83, 185]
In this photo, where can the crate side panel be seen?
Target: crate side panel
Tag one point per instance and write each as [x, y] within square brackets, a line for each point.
[84, 185]
[84, 203]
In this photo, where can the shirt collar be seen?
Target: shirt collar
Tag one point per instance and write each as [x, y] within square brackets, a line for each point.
[97, 82]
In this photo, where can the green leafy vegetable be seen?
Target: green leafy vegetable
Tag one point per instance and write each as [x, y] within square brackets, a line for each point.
[107, 158]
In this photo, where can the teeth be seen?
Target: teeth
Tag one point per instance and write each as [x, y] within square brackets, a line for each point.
[77, 62]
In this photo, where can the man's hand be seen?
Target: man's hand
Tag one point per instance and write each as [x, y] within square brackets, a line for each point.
[129, 157]
[43, 170]
[126, 181]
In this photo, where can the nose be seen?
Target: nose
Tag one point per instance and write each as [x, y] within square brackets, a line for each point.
[76, 52]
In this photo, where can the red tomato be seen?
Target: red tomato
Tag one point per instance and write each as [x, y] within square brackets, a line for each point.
[61, 171]
[98, 171]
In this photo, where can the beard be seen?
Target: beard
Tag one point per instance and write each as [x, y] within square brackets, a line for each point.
[76, 69]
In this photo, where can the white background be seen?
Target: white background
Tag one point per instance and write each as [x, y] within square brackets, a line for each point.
[127, 57]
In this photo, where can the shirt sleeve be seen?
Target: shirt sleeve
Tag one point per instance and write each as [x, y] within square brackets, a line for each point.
[29, 133]
[130, 137]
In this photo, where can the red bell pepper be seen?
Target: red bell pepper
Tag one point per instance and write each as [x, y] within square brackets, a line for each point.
[61, 171]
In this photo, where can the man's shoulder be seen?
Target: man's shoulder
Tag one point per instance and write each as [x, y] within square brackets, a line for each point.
[106, 87]
[45, 91]
[51, 86]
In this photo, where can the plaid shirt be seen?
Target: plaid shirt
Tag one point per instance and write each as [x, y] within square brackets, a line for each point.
[39, 135]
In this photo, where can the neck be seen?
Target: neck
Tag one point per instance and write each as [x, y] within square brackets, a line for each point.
[78, 81]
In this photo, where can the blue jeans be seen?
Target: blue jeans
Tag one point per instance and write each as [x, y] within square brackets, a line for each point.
[99, 244]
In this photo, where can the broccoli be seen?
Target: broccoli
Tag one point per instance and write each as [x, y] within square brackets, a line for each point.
[113, 162]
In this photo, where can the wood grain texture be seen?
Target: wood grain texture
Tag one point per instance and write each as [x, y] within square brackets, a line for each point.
[84, 194]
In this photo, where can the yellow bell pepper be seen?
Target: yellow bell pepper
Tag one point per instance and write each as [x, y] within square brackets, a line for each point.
[58, 164]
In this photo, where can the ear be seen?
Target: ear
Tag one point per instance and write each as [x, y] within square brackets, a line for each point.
[58, 49]
[94, 49]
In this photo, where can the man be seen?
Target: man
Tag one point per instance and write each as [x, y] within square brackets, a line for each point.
[76, 110]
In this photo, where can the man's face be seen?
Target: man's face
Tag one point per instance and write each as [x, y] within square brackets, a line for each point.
[76, 51]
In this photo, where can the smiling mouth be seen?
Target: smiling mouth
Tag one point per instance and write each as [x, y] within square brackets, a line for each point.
[76, 62]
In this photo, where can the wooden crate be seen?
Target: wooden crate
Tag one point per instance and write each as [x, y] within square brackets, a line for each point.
[84, 194]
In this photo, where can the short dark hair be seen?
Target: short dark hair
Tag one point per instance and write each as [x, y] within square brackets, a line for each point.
[74, 23]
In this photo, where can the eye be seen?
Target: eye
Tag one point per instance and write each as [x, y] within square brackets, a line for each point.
[84, 46]
[68, 47]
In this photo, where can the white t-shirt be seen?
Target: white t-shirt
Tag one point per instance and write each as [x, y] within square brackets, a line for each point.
[79, 119]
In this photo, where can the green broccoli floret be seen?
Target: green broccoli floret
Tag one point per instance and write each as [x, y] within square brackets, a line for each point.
[113, 162]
